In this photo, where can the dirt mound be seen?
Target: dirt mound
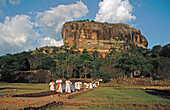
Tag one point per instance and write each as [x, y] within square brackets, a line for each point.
[39, 94]
[52, 104]
[18, 88]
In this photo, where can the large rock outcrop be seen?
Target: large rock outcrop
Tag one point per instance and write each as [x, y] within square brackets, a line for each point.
[102, 36]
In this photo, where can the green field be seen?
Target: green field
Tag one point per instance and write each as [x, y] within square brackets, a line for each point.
[21, 88]
[109, 95]
[105, 98]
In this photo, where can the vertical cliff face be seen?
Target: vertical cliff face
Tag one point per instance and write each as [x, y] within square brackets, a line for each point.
[102, 36]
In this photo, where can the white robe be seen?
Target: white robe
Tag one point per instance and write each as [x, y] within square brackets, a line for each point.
[52, 84]
[68, 83]
[90, 85]
[76, 85]
[87, 85]
[79, 85]
[60, 86]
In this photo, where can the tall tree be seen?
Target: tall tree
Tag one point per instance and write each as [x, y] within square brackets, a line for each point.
[156, 51]
[86, 61]
[166, 51]
[161, 68]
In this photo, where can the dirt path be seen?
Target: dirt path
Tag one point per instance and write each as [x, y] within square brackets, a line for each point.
[14, 103]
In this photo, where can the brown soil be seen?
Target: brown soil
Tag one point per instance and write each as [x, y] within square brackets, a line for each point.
[12, 103]
[38, 94]
[18, 88]
[70, 107]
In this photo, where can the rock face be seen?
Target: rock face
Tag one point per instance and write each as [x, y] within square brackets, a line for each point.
[102, 36]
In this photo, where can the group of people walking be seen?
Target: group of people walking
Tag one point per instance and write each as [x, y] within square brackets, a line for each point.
[59, 87]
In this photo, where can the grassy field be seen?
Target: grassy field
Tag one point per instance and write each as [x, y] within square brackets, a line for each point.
[107, 98]
[96, 107]
[21, 88]
[99, 107]
[104, 97]
[110, 95]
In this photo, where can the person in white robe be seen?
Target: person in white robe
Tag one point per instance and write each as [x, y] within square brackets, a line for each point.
[79, 85]
[98, 83]
[59, 88]
[90, 85]
[76, 85]
[94, 85]
[68, 83]
[52, 87]
[87, 85]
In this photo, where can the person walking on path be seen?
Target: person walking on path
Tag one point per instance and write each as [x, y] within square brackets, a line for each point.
[90, 85]
[52, 87]
[68, 83]
[59, 88]
[79, 85]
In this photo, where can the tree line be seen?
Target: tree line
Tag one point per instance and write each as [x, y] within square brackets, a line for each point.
[70, 62]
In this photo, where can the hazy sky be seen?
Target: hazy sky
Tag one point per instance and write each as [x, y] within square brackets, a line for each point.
[27, 24]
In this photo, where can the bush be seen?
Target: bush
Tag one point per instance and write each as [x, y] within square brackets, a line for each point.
[42, 76]
[161, 68]
[107, 72]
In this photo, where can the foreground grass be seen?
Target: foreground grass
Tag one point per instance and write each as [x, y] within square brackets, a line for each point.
[99, 107]
[113, 96]
[21, 88]
[96, 107]
[109, 95]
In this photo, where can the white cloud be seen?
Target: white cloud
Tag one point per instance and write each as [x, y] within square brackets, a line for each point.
[14, 2]
[48, 41]
[115, 11]
[51, 21]
[17, 34]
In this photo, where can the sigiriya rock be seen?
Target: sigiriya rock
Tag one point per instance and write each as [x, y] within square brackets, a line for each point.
[101, 36]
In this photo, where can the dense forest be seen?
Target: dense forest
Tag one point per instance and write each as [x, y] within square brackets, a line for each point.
[70, 62]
